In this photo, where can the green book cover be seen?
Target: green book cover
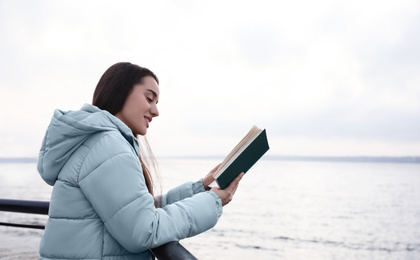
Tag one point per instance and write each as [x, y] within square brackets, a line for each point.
[251, 154]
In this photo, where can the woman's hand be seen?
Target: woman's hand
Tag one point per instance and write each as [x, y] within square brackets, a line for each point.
[226, 195]
[209, 177]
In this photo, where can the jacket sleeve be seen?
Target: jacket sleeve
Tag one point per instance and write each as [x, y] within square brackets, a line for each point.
[112, 181]
[181, 192]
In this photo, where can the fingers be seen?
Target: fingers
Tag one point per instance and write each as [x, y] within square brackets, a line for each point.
[226, 195]
[239, 178]
[235, 183]
[209, 177]
[216, 190]
[233, 187]
[215, 168]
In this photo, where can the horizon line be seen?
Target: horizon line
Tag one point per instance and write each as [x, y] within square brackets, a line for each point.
[350, 158]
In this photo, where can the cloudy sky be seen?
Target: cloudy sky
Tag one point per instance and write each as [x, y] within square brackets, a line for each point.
[323, 77]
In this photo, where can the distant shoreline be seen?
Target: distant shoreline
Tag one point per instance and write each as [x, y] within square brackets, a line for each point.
[384, 159]
[377, 159]
[18, 160]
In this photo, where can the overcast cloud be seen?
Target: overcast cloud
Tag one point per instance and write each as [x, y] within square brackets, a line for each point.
[324, 78]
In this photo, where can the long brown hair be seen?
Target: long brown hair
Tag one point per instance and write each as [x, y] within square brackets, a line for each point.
[110, 94]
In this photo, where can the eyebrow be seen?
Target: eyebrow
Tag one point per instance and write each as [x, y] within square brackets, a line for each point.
[153, 92]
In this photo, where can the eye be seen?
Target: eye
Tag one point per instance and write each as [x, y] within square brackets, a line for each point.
[149, 99]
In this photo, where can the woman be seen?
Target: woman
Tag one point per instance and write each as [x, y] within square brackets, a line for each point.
[102, 204]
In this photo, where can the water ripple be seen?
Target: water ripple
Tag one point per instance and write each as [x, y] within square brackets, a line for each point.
[355, 246]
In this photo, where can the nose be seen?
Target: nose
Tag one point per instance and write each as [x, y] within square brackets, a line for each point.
[154, 111]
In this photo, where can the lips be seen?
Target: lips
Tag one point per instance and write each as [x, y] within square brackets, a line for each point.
[148, 120]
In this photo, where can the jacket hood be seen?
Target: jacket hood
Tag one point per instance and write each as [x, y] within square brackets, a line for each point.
[68, 130]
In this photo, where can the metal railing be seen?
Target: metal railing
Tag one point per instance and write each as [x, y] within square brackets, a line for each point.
[171, 250]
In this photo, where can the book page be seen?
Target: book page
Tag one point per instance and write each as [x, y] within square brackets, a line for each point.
[237, 150]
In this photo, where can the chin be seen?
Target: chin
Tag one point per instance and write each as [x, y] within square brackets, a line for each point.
[142, 132]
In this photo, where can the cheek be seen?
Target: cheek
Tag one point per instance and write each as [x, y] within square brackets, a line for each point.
[144, 107]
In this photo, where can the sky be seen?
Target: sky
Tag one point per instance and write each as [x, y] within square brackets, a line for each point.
[324, 78]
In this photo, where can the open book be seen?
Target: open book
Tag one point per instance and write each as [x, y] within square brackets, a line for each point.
[245, 154]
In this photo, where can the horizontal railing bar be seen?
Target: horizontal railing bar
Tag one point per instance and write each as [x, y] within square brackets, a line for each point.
[173, 251]
[25, 206]
[22, 225]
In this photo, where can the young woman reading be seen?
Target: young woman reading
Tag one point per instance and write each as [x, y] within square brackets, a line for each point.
[103, 204]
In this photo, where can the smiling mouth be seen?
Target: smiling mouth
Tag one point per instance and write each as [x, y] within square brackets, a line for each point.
[148, 120]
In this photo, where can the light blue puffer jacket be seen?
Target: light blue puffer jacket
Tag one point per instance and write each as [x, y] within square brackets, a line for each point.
[100, 206]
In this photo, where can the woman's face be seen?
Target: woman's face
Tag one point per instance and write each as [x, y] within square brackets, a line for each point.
[140, 106]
